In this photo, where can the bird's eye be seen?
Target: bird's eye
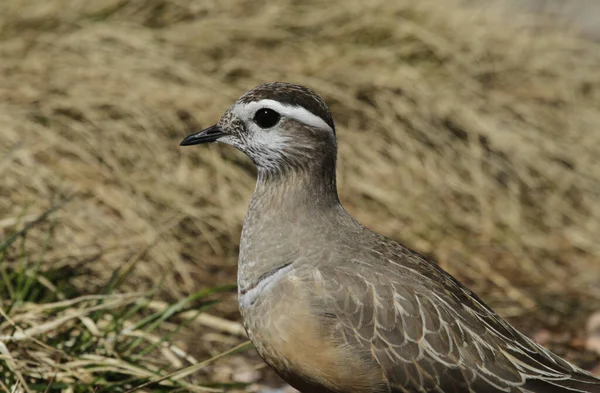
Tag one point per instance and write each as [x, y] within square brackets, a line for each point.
[266, 118]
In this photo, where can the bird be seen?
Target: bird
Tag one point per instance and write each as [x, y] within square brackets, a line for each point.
[334, 307]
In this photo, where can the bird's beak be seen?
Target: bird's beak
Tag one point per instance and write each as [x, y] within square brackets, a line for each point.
[207, 135]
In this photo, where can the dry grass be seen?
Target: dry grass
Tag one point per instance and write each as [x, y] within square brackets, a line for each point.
[470, 136]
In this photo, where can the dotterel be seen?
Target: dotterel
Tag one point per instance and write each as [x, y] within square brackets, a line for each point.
[334, 307]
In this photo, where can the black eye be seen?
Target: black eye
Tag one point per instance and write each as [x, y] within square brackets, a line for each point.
[266, 118]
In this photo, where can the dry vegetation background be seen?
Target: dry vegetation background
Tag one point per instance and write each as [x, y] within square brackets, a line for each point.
[469, 134]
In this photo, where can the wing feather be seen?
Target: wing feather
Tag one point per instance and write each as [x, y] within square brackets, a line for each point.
[429, 333]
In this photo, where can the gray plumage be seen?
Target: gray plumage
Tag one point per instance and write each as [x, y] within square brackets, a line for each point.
[334, 307]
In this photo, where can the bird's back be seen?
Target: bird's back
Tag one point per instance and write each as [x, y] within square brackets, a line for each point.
[425, 330]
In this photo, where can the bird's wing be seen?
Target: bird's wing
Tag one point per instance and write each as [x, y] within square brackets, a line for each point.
[429, 333]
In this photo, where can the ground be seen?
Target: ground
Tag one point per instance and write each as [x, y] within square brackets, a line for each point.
[469, 134]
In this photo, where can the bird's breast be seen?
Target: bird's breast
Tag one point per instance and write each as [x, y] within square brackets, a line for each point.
[295, 339]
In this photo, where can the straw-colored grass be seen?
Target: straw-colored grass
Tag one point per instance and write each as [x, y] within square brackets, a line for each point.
[471, 136]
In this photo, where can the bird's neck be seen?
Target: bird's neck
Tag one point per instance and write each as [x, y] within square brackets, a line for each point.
[290, 208]
[297, 188]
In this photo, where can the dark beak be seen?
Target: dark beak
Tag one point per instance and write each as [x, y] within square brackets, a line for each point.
[207, 135]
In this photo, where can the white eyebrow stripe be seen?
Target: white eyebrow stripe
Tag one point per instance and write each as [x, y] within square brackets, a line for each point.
[246, 111]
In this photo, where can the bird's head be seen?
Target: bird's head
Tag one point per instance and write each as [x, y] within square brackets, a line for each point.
[278, 125]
